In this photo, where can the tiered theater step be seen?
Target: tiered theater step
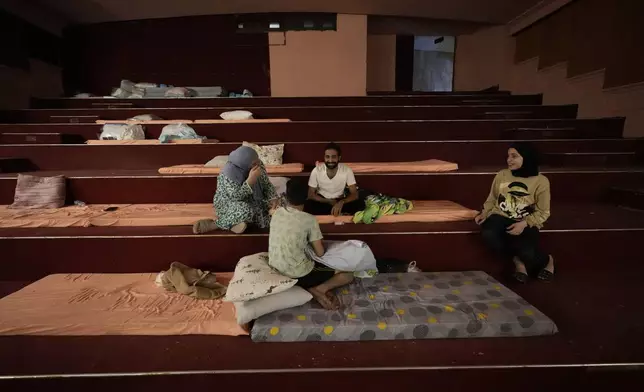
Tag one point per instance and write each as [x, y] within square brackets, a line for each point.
[321, 113]
[387, 100]
[595, 304]
[315, 131]
[627, 197]
[603, 158]
[32, 138]
[465, 153]
[9, 164]
[35, 252]
[466, 187]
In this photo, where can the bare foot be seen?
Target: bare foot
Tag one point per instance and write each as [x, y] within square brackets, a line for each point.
[551, 265]
[334, 299]
[204, 226]
[322, 299]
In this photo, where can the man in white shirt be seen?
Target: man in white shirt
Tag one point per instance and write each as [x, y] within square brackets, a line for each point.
[328, 186]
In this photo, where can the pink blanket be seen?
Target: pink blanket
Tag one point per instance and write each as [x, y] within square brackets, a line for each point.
[112, 304]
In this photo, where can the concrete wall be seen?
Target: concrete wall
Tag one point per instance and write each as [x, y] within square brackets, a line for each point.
[381, 62]
[486, 58]
[320, 63]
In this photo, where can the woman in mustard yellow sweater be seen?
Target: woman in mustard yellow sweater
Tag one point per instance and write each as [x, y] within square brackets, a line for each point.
[515, 210]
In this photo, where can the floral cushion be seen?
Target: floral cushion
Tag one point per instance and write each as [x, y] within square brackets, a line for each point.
[254, 278]
[269, 155]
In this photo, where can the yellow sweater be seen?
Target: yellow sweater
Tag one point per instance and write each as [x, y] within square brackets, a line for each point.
[519, 198]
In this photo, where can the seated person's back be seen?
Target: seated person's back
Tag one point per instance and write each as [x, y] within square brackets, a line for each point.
[291, 232]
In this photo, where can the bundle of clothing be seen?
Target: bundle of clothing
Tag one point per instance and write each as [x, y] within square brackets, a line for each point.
[189, 281]
[380, 205]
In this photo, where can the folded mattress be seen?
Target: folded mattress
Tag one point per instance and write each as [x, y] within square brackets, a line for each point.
[439, 305]
[112, 304]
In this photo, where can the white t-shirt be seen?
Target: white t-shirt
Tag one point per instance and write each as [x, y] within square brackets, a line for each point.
[331, 188]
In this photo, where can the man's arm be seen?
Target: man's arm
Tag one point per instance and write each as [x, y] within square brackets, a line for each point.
[353, 194]
[313, 195]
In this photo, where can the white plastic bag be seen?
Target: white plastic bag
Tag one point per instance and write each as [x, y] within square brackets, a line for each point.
[348, 256]
[237, 115]
[122, 132]
[146, 117]
[178, 131]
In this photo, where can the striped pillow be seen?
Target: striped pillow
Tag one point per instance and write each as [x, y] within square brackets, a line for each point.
[39, 192]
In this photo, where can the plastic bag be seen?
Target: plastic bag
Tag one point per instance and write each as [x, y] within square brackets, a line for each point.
[178, 131]
[122, 132]
[146, 117]
[237, 115]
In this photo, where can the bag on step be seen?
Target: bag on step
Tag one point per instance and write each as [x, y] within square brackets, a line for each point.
[178, 131]
[122, 132]
[348, 256]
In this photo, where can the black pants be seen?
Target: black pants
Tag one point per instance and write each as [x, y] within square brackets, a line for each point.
[524, 246]
[316, 208]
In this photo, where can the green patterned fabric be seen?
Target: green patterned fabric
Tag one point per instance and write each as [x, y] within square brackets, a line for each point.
[234, 203]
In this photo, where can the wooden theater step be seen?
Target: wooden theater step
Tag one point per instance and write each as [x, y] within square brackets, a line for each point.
[467, 187]
[31, 138]
[465, 153]
[15, 165]
[585, 286]
[38, 251]
[595, 158]
[626, 197]
[386, 100]
[320, 113]
[414, 130]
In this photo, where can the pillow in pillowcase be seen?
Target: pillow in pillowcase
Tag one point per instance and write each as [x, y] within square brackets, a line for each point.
[39, 192]
[253, 309]
[254, 278]
[270, 155]
[237, 115]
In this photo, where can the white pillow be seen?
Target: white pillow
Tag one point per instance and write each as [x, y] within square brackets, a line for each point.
[269, 155]
[279, 183]
[254, 278]
[218, 161]
[146, 117]
[237, 115]
[251, 310]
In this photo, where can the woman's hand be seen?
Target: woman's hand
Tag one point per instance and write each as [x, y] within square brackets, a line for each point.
[517, 228]
[479, 219]
[254, 174]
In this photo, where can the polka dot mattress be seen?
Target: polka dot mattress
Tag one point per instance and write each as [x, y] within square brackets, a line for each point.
[410, 306]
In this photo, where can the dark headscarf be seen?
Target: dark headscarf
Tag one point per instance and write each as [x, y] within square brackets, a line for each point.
[530, 167]
[238, 166]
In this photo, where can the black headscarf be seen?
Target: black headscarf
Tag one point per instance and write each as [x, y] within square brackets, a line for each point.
[530, 167]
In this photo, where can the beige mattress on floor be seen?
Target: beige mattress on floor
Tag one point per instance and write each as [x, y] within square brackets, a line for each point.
[186, 214]
[251, 121]
[147, 142]
[423, 211]
[286, 168]
[427, 166]
[95, 215]
[148, 122]
[112, 304]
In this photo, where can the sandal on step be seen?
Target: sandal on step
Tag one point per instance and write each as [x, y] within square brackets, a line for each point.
[520, 277]
[546, 276]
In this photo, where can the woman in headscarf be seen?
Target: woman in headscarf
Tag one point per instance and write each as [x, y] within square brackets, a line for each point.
[244, 195]
[515, 210]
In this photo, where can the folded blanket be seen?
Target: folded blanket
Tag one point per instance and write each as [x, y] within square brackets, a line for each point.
[284, 168]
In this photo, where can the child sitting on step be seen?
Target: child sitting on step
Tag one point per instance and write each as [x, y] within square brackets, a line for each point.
[515, 210]
[292, 231]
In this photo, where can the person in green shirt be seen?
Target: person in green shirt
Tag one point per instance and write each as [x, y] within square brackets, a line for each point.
[517, 207]
[292, 231]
